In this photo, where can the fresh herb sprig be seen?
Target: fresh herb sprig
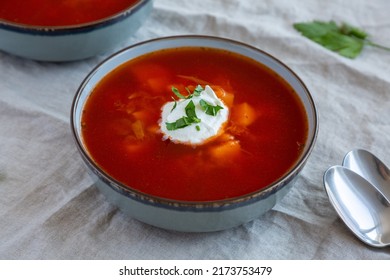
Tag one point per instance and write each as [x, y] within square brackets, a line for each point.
[178, 94]
[208, 108]
[191, 117]
[187, 120]
[344, 39]
[196, 92]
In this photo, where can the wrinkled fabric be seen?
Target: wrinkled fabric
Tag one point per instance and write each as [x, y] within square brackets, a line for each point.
[50, 208]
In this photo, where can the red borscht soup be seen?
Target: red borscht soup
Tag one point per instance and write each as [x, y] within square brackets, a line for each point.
[60, 12]
[262, 139]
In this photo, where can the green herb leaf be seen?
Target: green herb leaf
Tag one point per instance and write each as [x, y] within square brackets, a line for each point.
[329, 35]
[177, 93]
[208, 108]
[346, 40]
[197, 128]
[197, 90]
[190, 111]
[350, 30]
[179, 123]
[174, 106]
[187, 120]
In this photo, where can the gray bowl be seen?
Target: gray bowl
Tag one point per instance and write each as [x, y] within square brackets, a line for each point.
[73, 42]
[192, 216]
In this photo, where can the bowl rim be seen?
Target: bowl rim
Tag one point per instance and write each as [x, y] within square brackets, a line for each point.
[232, 202]
[73, 28]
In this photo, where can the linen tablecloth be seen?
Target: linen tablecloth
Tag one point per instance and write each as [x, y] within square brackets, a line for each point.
[50, 208]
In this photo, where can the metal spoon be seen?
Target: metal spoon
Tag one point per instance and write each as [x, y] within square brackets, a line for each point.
[371, 168]
[360, 205]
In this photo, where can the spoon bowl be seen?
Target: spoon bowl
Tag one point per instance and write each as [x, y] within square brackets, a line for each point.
[371, 168]
[361, 206]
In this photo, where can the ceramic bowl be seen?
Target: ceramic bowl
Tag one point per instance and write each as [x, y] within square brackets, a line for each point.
[73, 42]
[192, 216]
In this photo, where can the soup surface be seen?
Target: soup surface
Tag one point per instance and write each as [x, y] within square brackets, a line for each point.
[261, 140]
[60, 12]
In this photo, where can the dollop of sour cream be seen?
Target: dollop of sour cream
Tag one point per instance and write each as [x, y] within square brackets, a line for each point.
[207, 127]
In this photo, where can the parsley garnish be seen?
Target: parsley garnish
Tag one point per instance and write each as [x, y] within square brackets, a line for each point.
[174, 105]
[187, 120]
[180, 123]
[345, 39]
[209, 109]
[190, 111]
[191, 117]
[177, 93]
[196, 92]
